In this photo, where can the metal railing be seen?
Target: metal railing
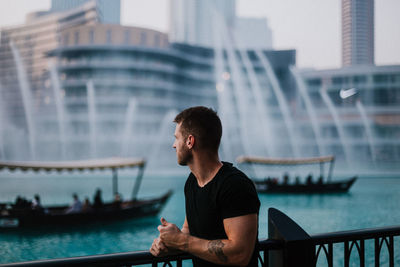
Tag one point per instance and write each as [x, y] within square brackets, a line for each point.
[355, 241]
[138, 258]
[287, 245]
[301, 249]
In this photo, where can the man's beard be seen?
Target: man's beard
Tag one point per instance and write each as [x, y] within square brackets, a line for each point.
[185, 157]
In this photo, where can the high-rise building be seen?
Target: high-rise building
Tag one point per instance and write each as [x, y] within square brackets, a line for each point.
[253, 33]
[109, 11]
[192, 21]
[357, 32]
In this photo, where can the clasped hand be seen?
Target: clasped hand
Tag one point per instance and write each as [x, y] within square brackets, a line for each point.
[168, 239]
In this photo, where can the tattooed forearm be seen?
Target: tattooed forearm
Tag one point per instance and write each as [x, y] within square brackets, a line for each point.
[186, 243]
[215, 247]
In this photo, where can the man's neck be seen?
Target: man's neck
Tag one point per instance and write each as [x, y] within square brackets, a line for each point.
[204, 167]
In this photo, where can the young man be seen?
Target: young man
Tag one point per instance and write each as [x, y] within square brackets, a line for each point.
[221, 224]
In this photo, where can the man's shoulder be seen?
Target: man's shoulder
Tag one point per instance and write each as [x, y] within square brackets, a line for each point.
[231, 172]
[233, 178]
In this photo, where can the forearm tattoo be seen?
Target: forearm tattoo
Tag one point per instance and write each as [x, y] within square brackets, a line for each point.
[186, 244]
[215, 247]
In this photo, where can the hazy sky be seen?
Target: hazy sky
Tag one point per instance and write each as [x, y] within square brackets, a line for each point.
[312, 27]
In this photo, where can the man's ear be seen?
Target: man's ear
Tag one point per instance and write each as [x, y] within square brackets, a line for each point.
[190, 141]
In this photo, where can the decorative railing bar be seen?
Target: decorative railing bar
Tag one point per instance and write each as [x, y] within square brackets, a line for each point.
[340, 237]
[355, 240]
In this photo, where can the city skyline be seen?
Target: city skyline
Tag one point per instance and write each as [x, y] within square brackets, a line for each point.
[315, 33]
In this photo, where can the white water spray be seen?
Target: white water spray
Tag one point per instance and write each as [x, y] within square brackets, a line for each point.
[282, 103]
[338, 123]
[310, 109]
[58, 96]
[91, 102]
[26, 99]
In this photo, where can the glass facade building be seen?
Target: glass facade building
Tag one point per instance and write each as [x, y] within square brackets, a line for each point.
[109, 10]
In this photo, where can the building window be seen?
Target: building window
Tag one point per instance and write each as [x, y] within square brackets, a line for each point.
[127, 37]
[109, 36]
[143, 38]
[381, 78]
[91, 36]
[76, 41]
[66, 39]
[359, 79]
[157, 40]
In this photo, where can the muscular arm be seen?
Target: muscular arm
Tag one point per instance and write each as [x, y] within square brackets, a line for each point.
[237, 249]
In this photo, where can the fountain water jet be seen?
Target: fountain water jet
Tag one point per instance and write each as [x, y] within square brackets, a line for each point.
[162, 135]
[2, 123]
[368, 128]
[239, 89]
[59, 106]
[262, 110]
[282, 103]
[26, 99]
[310, 109]
[92, 118]
[223, 94]
[127, 136]
[338, 123]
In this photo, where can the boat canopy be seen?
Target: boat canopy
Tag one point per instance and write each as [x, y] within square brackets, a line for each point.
[284, 161]
[93, 164]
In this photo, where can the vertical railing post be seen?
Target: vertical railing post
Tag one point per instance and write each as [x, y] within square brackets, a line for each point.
[298, 246]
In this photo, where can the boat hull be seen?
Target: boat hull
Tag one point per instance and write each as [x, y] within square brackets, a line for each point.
[54, 216]
[343, 186]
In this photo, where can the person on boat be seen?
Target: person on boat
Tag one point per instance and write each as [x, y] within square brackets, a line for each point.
[76, 205]
[221, 224]
[86, 205]
[309, 179]
[286, 178]
[22, 203]
[117, 201]
[36, 205]
[97, 200]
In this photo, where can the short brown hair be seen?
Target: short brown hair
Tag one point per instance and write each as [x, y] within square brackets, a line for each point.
[204, 124]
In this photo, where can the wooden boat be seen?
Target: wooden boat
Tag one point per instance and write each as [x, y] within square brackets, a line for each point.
[15, 216]
[321, 186]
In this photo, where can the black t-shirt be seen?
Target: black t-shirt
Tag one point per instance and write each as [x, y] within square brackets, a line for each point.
[229, 194]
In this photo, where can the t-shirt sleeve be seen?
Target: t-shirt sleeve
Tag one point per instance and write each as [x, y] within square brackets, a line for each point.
[238, 197]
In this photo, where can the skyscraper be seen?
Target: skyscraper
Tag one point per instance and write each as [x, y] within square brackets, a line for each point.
[109, 11]
[357, 32]
[192, 20]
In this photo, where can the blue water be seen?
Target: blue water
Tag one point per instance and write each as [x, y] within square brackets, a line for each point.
[372, 202]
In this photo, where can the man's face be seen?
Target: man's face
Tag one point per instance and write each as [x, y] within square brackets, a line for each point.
[183, 153]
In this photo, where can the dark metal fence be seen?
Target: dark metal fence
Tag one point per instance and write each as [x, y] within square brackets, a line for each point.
[287, 245]
[301, 249]
[354, 243]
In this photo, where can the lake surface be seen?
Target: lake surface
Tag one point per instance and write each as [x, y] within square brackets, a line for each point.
[372, 202]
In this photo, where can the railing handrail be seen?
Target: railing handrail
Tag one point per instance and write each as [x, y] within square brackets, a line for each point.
[368, 233]
[119, 259]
